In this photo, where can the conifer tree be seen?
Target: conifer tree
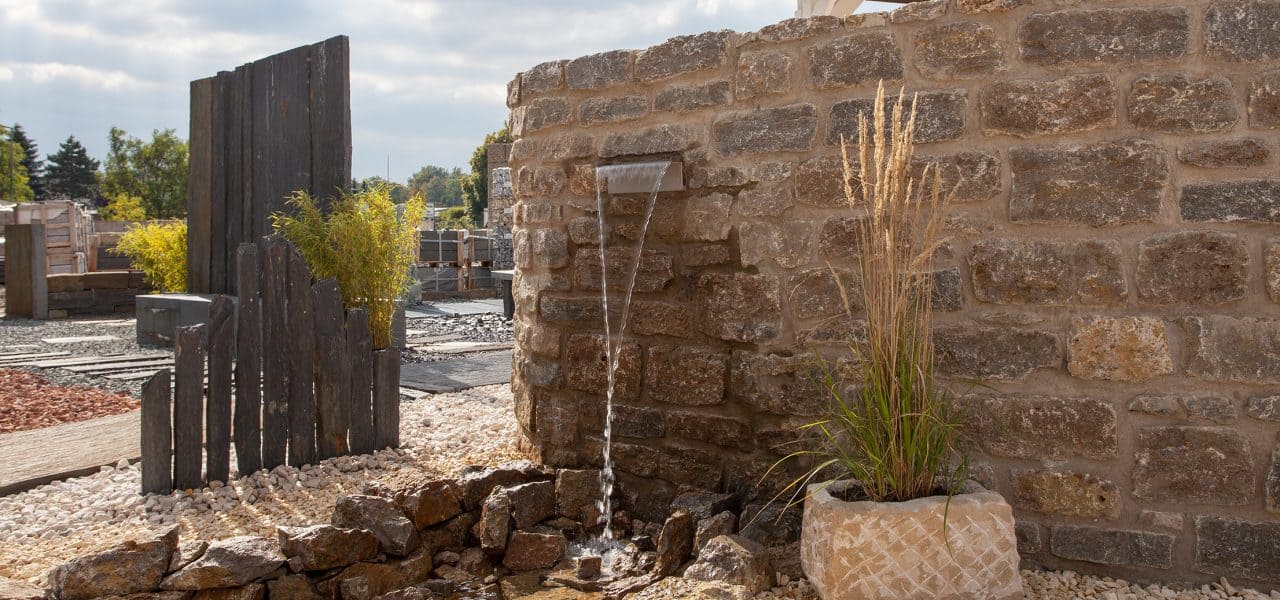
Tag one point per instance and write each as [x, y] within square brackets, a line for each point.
[71, 172]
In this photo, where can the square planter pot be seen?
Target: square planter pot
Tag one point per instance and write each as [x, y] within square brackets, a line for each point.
[892, 550]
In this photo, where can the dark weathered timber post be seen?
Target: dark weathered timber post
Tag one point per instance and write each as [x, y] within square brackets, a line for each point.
[248, 413]
[27, 282]
[333, 371]
[217, 412]
[275, 354]
[386, 398]
[301, 337]
[157, 435]
[188, 394]
[360, 357]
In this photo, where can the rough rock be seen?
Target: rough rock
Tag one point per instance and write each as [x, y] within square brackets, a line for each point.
[323, 547]
[494, 525]
[820, 182]
[532, 503]
[653, 270]
[775, 129]
[704, 505]
[369, 580]
[706, 218]
[817, 292]
[721, 431]
[788, 243]
[855, 59]
[528, 550]
[598, 71]
[612, 110]
[712, 527]
[1221, 348]
[651, 140]
[575, 488]
[1241, 30]
[687, 98]
[478, 482]
[1112, 547]
[940, 117]
[253, 591]
[966, 177]
[232, 562]
[1250, 200]
[1105, 35]
[958, 51]
[789, 30]
[1200, 465]
[1119, 349]
[395, 532]
[292, 587]
[1007, 271]
[1204, 408]
[771, 524]
[1174, 103]
[661, 318]
[1264, 100]
[126, 568]
[1237, 548]
[1193, 267]
[1107, 183]
[588, 361]
[675, 543]
[1043, 427]
[540, 114]
[11, 589]
[1226, 154]
[1067, 493]
[686, 375]
[544, 77]
[682, 54]
[778, 384]
[1008, 354]
[735, 560]
[762, 74]
[432, 503]
[765, 201]
[1028, 108]
[187, 551]
[739, 307]
[1266, 408]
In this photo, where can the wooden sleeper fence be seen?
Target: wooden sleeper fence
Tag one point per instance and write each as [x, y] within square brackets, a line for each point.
[292, 379]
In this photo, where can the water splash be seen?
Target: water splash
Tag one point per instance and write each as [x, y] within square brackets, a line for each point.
[633, 176]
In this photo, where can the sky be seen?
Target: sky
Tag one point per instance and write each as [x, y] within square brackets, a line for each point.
[428, 77]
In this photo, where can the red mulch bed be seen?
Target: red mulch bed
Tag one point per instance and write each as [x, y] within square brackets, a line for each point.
[28, 401]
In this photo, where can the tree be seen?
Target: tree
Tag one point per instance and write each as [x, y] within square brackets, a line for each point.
[398, 193]
[123, 207]
[454, 217]
[30, 160]
[71, 173]
[14, 181]
[439, 186]
[154, 171]
[475, 188]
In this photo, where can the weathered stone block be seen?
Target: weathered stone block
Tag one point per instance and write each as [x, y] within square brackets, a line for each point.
[789, 243]
[1109, 34]
[651, 140]
[926, 10]
[988, 6]
[570, 310]
[1095, 184]
[689, 466]
[948, 290]
[1237, 548]
[685, 98]
[778, 384]
[598, 71]
[939, 117]
[1161, 520]
[1206, 408]
[652, 271]
[765, 201]
[1271, 482]
[1233, 349]
[566, 146]
[1271, 275]
[706, 218]
[1067, 493]
[610, 110]
[1203, 465]
[685, 375]
[1264, 100]
[966, 177]
[702, 255]
[858, 59]
[1047, 273]
[721, 431]
[1112, 547]
[1028, 535]
[587, 366]
[979, 352]
[820, 182]
[839, 237]
[545, 77]
[762, 74]
[1226, 154]
[661, 318]
[1193, 267]
[1251, 200]
[1265, 408]
[1027, 108]
[705, 177]
[1242, 30]
[635, 422]
[548, 248]
[739, 307]
[1043, 427]
[798, 29]
[1119, 349]
[1175, 103]
[958, 51]
[540, 114]
[682, 54]
[776, 129]
[816, 292]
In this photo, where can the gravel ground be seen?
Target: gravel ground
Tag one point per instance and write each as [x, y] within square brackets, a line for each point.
[27, 401]
[25, 335]
[487, 328]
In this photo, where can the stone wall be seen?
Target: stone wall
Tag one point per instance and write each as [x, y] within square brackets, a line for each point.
[1112, 279]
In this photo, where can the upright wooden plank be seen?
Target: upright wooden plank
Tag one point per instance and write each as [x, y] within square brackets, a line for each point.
[157, 436]
[386, 398]
[245, 75]
[265, 128]
[275, 353]
[302, 400]
[218, 263]
[188, 386]
[330, 91]
[217, 413]
[333, 371]
[27, 286]
[233, 175]
[199, 185]
[248, 412]
[293, 163]
[360, 357]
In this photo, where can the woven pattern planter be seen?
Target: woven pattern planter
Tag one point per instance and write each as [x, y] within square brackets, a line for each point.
[895, 550]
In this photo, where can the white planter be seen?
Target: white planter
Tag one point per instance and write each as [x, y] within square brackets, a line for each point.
[896, 550]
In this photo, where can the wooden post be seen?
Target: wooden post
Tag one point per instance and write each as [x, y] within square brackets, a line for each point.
[200, 185]
[386, 398]
[188, 393]
[217, 415]
[275, 354]
[27, 286]
[248, 413]
[333, 371]
[301, 338]
[330, 107]
[360, 355]
[157, 436]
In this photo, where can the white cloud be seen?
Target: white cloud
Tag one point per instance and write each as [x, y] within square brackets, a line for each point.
[88, 77]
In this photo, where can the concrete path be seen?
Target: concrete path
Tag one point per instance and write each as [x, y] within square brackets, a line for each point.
[485, 368]
[36, 457]
[470, 307]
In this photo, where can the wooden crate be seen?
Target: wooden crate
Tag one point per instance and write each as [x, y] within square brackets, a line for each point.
[68, 232]
[441, 247]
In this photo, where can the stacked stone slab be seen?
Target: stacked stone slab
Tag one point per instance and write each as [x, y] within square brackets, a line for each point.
[1112, 276]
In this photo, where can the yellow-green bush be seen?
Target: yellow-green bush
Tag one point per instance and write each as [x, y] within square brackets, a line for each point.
[159, 250]
[363, 244]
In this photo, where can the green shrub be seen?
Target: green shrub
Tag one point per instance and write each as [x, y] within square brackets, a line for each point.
[362, 244]
[159, 250]
[455, 217]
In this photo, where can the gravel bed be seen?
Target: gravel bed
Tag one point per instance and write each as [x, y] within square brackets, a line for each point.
[487, 328]
[25, 335]
[27, 401]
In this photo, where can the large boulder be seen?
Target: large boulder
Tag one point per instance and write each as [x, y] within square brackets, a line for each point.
[675, 543]
[532, 503]
[528, 550]
[495, 523]
[735, 560]
[322, 547]
[368, 580]
[432, 503]
[126, 568]
[478, 482]
[395, 532]
[229, 563]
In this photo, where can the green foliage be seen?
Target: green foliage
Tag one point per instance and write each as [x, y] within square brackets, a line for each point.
[30, 161]
[475, 188]
[439, 186]
[124, 207]
[154, 171]
[159, 250]
[14, 181]
[398, 193]
[363, 244]
[455, 217]
[71, 172]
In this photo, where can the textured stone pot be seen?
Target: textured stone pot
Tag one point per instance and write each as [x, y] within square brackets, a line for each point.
[896, 550]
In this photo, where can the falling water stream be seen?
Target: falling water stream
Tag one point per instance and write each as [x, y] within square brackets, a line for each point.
[646, 175]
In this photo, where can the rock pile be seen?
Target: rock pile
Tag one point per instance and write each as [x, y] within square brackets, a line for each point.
[490, 533]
